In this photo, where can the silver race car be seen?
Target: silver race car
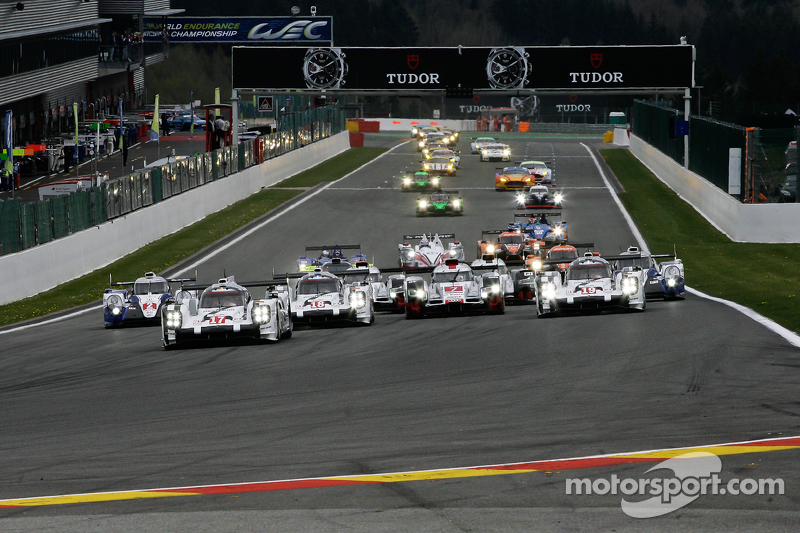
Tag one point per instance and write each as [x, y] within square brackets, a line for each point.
[139, 304]
[430, 251]
[327, 297]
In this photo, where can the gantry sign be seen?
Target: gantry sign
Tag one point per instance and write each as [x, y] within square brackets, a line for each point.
[512, 68]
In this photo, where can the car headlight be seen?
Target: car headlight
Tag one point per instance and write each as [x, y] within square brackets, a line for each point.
[406, 181]
[423, 204]
[536, 264]
[558, 231]
[427, 166]
[506, 152]
[630, 285]
[414, 131]
[557, 197]
[490, 248]
[484, 152]
[520, 198]
[421, 144]
[435, 181]
[261, 314]
[114, 304]
[548, 290]
[449, 167]
[456, 203]
[358, 299]
[410, 254]
[174, 319]
[392, 294]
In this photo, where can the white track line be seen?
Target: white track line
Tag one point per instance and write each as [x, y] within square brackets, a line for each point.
[790, 336]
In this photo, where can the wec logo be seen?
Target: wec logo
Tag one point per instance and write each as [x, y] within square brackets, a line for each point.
[299, 29]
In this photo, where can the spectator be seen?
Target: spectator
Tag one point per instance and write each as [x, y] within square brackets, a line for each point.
[219, 127]
[165, 123]
[211, 130]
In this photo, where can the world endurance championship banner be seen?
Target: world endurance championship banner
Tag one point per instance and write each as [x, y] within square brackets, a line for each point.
[253, 30]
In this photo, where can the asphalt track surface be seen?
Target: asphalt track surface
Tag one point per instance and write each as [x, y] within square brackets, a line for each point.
[89, 411]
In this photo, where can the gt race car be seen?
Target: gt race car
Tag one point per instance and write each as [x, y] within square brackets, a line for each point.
[430, 251]
[324, 297]
[327, 252]
[496, 152]
[542, 174]
[545, 226]
[539, 197]
[664, 280]
[513, 179]
[478, 143]
[454, 156]
[589, 283]
[453, 289]
[440, 203]
[141, 303]
[226, 309]
[439, 165]
[421, 181]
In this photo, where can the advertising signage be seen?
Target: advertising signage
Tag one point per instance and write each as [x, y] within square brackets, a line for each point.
[261, 30]
[503, 68]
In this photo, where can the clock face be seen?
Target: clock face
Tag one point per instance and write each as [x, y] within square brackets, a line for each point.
[324, 68]
[507, 68]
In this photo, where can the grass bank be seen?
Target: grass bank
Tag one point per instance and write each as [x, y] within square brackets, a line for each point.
[759, 276]
[172, 249]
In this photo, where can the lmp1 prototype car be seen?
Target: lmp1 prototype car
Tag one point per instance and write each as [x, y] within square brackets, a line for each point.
[477, 144]
[490, 265]
[496, 152]
[545, 226]
[454, 288]
[430, 251]
[327, 253]
[589, 283]
[540, 171]
[439, 165]
[140, 304]
[324, 297]
[513, 179]
[664, 280]
[226, 309]
[364, 273]
[440, 203]
[539, 197]
[509, 244]
[421, 181]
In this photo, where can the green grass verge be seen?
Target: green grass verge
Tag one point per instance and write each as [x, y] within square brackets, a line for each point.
[334, 168]
[759, 276]
[170, 250]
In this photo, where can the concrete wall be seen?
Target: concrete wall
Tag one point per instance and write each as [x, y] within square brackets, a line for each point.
[40, 268]
[764, 223]
[404, 124]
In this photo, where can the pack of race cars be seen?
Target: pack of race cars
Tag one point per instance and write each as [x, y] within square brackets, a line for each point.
[531, 261]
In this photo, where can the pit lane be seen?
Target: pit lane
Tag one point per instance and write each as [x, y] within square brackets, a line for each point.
[90, 410]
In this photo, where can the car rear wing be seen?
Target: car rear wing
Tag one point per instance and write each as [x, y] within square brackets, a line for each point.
[428, 236]
[168, 280]
[335, 246]
[538, 214]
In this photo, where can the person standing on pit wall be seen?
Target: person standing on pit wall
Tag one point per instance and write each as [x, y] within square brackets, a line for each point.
[211, 129]
[165, 123]
[219, 127]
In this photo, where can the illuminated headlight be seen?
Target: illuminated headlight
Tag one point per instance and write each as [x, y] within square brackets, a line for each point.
[435, 181]
[393, 294]
[421, 144]
[506, 152]
[427, 166]
[672, 282]
[174, 319]
[490, 248]
[520, 198]
[406, 181]
[358, 299]
[423, 204]
[557, 197]
[446, 140]
[456, 203]
[414, 131]
[630, 285]
[410, 254]
[453, 252]
[558, 231]
[453, 138]
[484, 152]
[261, 314]
[548, 290]
[536, 264]
[114, 304]
[449, 167]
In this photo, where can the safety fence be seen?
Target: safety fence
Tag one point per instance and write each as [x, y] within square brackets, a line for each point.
[25, 225]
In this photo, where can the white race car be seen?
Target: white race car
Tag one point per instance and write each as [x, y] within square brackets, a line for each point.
[590, 283]
[430, 251]
[140, 304]
[226, 309]
[490, 264]
[363, 272]
[477, 144]
[454, 288]
[496, 152]
[325, 297]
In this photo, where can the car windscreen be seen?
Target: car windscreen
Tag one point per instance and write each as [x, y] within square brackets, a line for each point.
[641, 262]
[371, 277]
[449, 276]
[515, 172]
[335, 268]
[317, 286]
[563, 254]
[510, 239]
[150, 287]
[588, 271]
[221, 298]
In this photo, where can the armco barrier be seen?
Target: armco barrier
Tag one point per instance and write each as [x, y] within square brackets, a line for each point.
[40, 268]
[764, 223]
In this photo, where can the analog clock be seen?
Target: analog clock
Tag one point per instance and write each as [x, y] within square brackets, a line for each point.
[508, 68]
[324, 68]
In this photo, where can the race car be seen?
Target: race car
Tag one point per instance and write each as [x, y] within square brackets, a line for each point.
[451, 136]
[539, 197]
[432, 146]
[491, 264]
[141, 304]
[478, 143]
[589, 283]
[454, 156]
[363, 272]
[559, 257]
[545, 226]
[425, 131]
[513, 178]
[454, 288]
[421, 181]
[664, 280]
[324, 297]
[226, 309]
[509, 244]
[439, 165]
[430, 251]
[327, 252]
[540, 171]
[440, 203]
[429, 139]
[395, 284]
[495, 152]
